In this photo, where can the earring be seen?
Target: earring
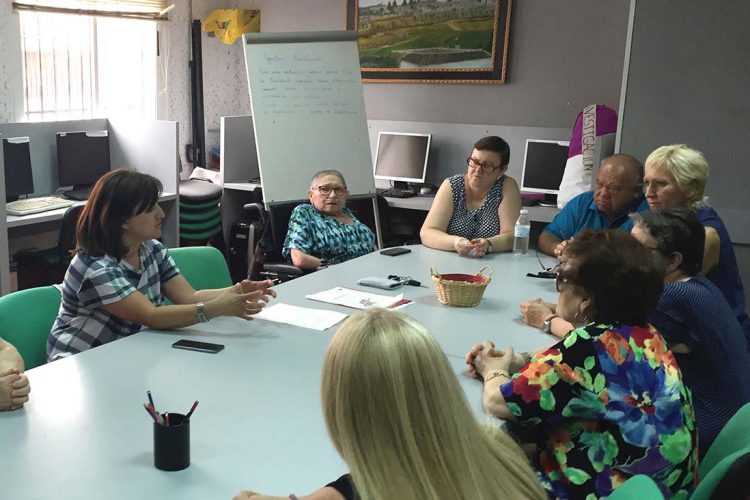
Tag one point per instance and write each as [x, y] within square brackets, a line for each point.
[580, 317]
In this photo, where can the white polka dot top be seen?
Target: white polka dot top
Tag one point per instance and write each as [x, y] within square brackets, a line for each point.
[481, 223]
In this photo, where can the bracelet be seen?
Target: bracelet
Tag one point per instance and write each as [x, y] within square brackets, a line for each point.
[202, 312]
[489, 246]
[496, 373]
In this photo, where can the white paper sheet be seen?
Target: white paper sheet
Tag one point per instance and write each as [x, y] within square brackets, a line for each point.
[316, 319]
[356, 299]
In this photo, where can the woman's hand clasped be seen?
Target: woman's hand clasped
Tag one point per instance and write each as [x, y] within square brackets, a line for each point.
[476, 248]
[14, 389]
[483, 357]
[535, 311]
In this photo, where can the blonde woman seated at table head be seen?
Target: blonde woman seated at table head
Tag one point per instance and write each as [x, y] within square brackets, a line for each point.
[121, 274]
[399, 418]
[325, 231]
[475, 213]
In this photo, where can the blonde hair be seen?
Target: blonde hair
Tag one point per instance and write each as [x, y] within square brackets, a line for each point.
[399, 418]
[687, 165]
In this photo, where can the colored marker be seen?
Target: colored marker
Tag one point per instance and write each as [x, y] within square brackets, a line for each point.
[149, 413]
[192, 409]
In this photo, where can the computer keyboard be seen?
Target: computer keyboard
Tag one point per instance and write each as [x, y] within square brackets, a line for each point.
[35, 205]
[395, 193]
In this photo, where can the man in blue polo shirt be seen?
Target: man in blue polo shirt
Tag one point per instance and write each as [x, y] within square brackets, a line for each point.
[618, 193]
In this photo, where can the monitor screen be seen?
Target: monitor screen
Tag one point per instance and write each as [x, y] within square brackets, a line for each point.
[543, 166]
[402, 156]
[18, 176]
[82, 157]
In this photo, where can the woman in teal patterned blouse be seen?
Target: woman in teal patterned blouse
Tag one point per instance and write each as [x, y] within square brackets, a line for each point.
[608, 401]
[325, 232]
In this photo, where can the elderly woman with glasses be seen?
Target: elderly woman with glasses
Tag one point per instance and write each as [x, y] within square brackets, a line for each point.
[325, 231]
[608, 400]
[475, 213]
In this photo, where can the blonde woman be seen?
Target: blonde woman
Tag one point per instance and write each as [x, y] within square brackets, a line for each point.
[676, 177]
[397, 415]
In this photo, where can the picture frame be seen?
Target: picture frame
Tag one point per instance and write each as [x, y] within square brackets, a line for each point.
[431, 41]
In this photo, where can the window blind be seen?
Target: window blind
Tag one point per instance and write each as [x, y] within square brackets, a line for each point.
[137, 9]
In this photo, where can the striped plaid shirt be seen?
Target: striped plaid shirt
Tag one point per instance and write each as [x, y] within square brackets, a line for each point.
[93, 282]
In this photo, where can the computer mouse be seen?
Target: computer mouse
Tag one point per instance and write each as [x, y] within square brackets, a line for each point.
[426, 190]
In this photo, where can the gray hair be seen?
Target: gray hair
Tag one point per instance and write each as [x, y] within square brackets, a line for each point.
[321, 173]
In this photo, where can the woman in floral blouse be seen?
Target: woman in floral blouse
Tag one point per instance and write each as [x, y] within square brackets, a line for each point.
[608, 401]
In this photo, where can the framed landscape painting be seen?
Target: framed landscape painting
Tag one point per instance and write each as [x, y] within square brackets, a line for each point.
[431, 41]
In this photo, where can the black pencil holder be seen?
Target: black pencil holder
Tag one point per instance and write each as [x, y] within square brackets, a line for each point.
[172, 443]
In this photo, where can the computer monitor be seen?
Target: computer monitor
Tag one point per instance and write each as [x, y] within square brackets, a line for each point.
[543, 167]
[402, 158]
[18, 176]
[82, 157]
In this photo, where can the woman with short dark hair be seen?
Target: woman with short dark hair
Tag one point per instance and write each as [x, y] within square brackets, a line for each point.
[607, 401]
[475, 213]
[118, 280]
[696, 321]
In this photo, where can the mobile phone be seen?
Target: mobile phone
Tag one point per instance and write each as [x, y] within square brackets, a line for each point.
[392, 252]
[194, 345]
[384, 283]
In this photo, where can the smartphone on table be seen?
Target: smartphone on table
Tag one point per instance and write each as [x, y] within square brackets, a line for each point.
[195, 345]
[392, 252]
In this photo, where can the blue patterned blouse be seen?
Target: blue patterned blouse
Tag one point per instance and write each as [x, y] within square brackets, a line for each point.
[326, 237]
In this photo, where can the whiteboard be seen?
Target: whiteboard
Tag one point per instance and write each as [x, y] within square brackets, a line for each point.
[308, 111]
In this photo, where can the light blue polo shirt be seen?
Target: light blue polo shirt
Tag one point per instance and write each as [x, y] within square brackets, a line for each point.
[581, 213]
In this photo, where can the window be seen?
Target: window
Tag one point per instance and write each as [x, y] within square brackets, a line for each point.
[83, 66]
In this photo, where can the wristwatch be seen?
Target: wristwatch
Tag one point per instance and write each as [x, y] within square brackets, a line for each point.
[202, 312]
[547, 325]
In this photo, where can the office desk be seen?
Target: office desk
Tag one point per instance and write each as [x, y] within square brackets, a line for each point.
[259, 423]
[53, 215]
[424, 202]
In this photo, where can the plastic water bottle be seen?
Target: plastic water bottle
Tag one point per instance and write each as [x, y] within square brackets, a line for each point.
[521, 233]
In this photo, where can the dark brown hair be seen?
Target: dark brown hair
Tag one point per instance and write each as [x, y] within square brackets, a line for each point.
[676, 230]
[117, 196]
[496, 145]
[623, 278]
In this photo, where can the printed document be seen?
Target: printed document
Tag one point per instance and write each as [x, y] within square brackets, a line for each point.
[356, 299]
[317, 319]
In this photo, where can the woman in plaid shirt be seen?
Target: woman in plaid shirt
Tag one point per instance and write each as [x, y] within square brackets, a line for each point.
[121, 274]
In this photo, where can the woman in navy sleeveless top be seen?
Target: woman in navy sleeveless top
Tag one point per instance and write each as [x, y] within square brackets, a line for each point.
[696, 322]
[475, 213]
[675, 177]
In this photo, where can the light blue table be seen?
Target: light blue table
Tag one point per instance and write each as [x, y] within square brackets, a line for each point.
[85, 434]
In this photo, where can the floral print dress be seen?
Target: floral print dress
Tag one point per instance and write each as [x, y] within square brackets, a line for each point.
[609, 403]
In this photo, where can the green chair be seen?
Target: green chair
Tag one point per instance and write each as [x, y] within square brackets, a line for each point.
[203, 267]
[734, 437]
[638, 487]
[26, 318]
[728, 457]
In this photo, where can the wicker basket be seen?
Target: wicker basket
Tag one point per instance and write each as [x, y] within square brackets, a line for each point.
[461, 290]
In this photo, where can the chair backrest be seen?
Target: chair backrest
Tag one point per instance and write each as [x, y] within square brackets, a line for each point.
[203, 267]
[66, 240]
[278, 220]
[26, 318]
[735, 436]
[638, 487]
[728, 479]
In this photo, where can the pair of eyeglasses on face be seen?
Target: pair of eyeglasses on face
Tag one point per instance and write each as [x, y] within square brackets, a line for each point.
[561, 278]
[616, 189]
[326, 190]
[485, 167]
